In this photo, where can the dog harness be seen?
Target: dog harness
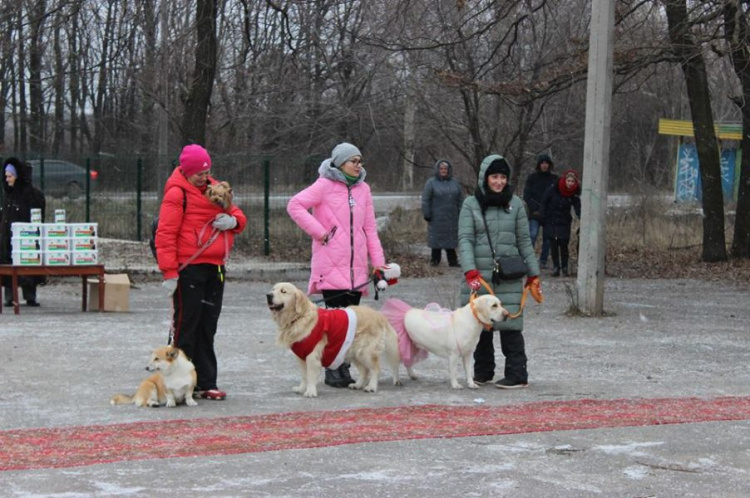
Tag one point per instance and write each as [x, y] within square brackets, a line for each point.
[338, 326]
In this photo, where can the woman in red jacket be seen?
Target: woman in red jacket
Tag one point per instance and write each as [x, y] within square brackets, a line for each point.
[193, 241]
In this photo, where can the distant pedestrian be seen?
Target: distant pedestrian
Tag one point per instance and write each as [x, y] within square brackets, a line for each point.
[20, 196]
[537, 184]
[344, 235]
[556, 206]
[441, 202]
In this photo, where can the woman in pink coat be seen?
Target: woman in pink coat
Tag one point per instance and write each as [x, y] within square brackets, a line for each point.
[344, 235]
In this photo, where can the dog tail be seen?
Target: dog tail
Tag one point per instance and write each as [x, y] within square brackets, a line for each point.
[121, 399]
[395, 310]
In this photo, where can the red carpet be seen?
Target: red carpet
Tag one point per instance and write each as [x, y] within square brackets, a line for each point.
[89, 445]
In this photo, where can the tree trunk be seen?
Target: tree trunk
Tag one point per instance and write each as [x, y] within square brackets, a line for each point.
[58, 136]
[36, 52]
[736, 33]
[693, 66]
[199, 96]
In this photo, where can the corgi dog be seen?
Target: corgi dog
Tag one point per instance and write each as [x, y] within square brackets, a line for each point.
[173, 381]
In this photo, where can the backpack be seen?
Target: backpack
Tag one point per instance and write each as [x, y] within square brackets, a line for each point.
[155, 224]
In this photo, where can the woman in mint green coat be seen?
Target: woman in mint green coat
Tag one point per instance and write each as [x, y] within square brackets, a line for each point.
[509, 233]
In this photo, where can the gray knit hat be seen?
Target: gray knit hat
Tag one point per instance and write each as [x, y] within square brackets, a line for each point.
[342, 152]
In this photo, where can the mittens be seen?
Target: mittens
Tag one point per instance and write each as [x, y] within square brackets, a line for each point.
[224, 221]
[473, 279]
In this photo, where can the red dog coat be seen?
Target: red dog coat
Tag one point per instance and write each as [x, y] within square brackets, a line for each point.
[338, 325]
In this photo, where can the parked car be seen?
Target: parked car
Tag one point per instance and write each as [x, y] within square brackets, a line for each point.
[61, 178]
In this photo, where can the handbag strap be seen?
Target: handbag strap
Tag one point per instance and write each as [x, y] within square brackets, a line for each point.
[489, 239]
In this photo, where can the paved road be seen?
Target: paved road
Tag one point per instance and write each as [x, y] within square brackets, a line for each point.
[662, 342]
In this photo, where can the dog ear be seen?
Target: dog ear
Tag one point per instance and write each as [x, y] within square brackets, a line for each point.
[173, 353]
[300, 302]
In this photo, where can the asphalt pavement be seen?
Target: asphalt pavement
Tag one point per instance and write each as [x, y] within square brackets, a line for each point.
[664, 346]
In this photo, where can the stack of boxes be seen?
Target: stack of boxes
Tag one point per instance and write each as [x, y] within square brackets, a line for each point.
[54, 244]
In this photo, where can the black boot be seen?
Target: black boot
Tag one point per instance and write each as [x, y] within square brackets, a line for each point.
[452, 257]
[565, 271]
[333, 378]
[346, 377]
[556, 271]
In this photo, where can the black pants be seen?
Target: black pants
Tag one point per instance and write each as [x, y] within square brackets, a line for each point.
[341, 298]
[28, 287]
[197, 306]
[559, 249]
[513, 348]
[437, 254]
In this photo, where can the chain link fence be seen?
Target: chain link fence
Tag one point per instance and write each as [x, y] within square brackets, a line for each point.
[123, 193]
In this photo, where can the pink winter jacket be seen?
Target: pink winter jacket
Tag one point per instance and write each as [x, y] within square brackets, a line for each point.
[342, 262]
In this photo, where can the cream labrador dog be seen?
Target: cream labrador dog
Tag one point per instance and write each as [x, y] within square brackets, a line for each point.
[445, 333]
[327, 337]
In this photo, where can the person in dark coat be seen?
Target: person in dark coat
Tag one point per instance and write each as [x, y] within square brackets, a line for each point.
[19, 198]
[537, 184]
[441, 202]
[558, 201]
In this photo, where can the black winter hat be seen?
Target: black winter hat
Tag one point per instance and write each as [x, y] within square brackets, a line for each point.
[497, 166]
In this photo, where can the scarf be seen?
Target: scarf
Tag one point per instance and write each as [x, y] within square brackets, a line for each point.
[496, 199]
[563, 187]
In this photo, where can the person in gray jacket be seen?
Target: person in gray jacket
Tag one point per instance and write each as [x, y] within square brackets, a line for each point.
[508, 226]
[441, 202]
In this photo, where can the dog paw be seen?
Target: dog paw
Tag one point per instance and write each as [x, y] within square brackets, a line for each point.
[311, 394]
[171, 404]
[456, 385]
[191, 402]
[472, 386]
[369, 389]
[299, 389]
[398, 382]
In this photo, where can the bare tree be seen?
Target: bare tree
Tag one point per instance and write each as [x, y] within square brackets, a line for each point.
[714, 243]
[198, 98]
[737, 35]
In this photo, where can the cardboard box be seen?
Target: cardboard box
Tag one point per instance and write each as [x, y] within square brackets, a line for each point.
[83, 244]
[116, 292]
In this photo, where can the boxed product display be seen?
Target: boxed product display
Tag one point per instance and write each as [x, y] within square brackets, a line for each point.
[88, 230]
[55, 230]
[56, 245]
[26, 243]
[83, 244]
[116, 293]
[84, 257]
[26, 230]
[27, 258]
[36, 215]
[57, 258]
[59, 216]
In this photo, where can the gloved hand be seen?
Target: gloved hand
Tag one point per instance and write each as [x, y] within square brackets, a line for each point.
[169, 285]
[472, 279]
[224, 221]
[535, 287]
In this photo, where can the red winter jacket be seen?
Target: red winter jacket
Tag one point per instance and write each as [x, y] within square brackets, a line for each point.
[181, 234]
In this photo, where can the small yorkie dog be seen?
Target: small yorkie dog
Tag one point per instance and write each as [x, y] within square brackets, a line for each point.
[220, 194]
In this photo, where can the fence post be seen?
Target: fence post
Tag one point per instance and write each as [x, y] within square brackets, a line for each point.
[88, 189]
[41, 174]
[266, 205]
[139, 199]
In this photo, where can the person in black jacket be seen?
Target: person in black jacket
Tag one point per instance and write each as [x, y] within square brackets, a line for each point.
[19, 198]
[556, 206]
[537, 184]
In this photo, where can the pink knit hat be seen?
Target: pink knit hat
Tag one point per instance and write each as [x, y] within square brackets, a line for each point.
[194, 159]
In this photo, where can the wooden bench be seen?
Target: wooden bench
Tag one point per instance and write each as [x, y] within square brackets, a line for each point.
[14, 272]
